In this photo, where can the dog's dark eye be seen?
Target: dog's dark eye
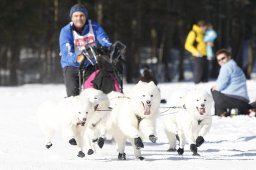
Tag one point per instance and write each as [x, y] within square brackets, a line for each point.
[197, 100]
[205, 100]
[79, 112]
[143, 95]
[86, 113]
[151, 95]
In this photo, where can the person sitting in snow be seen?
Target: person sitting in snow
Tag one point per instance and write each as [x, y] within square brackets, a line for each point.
[230, 91]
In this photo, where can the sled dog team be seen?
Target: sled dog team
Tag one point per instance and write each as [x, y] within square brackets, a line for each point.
[86, 119]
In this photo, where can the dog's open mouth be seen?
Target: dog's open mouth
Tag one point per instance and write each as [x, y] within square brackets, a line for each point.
[146, 108]
[201, 110]
[80, 123]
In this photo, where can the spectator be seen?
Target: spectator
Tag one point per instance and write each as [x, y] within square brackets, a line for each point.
[196, 46]
[230, 91]
[74, 38]
[209, 37]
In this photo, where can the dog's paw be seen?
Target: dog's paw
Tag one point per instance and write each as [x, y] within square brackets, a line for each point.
[180, 151]
[141, 158]
[193, 149]
[121, 156]
[90, 152]
[81, 154]
[199, 141]
[138, 143]
[196, 154]
[152, 138]
[48, 145]
[163, 101]
[171, 150]
[101, 142]
[72, 141]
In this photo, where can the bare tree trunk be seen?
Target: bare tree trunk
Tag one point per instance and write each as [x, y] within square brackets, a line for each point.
[182, 34]
[13, 65]
[249, 67]
[133, 58]
[3, 65]
[154, 37]
[99, 11]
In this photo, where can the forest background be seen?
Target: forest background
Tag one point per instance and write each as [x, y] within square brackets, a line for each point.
[154, 32]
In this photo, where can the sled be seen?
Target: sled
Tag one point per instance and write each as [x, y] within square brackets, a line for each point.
[108, 68]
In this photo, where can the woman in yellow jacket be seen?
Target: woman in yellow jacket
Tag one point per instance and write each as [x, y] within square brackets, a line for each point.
[196, 46]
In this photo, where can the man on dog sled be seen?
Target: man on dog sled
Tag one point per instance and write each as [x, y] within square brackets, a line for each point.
[85, 49]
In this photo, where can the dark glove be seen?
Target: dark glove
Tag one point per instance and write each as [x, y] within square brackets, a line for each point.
[103, 50]
[199, 141]
[152, 138]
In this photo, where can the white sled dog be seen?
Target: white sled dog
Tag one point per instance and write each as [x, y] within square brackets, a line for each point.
[168, 117]
[134, 118]
[195, 120]
[96, 123]
[66, 116]
[115, 98]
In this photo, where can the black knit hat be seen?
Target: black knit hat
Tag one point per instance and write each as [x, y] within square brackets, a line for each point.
[80, 8]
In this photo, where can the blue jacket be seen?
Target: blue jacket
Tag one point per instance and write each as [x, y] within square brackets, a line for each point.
[66, 42]
[210, 35]
[232, 81]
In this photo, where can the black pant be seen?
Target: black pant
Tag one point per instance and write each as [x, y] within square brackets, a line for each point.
[223, 102]
[200, 69]
[71, 79]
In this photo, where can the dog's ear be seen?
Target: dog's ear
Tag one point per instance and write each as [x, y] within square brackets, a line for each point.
[151, 83]
[139, 82]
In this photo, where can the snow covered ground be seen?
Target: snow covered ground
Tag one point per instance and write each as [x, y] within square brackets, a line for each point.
[230, 144]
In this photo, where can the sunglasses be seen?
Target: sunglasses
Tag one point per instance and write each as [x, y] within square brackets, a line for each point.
[221, 59]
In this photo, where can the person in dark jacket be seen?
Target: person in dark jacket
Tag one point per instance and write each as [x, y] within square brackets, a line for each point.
[74, 37]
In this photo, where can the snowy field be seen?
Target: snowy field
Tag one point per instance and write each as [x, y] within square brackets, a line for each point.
[230, 144]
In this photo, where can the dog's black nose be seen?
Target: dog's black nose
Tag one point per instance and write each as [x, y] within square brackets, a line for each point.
[202, 105]
[84, 119]
[148, 101]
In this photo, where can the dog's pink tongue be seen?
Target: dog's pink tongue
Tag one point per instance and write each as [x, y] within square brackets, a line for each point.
[202, 110]
[147, 110]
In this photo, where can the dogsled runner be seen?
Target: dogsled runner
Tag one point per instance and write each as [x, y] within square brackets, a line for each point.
[107, 72]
